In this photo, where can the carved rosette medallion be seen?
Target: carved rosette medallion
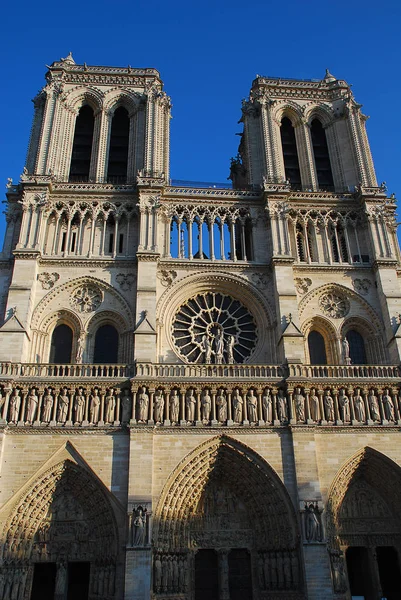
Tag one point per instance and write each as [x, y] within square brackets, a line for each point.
[48, 279]
[334, 305]
[214, 328]
[86, 298]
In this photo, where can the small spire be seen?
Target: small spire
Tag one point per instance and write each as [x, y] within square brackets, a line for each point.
[68, 59]
[329, 77]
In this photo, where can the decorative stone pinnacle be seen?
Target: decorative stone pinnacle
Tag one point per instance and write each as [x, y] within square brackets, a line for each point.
[329, 77]
[68, 59]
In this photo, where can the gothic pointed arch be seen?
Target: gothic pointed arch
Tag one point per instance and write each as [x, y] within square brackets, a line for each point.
[64, 516]
[224, 495]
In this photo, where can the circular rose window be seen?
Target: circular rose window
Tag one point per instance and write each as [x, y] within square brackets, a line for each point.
[214, 328]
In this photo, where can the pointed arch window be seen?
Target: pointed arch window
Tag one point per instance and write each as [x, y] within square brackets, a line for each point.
[357, 349]
[82, 145]
[61, 345]
[290, 153]
[300, 239]
[106, 345]
[118, 149]
[324, 173]
[317, 349]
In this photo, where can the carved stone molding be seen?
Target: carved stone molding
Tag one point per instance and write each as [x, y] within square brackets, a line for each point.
[48, 279]
[126, 281]
[362, 286]
[302, 284]
[86, 298]
[167, 276]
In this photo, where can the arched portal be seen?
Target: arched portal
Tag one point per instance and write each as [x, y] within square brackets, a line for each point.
[61, 539]
[225, 507]
[364, 527]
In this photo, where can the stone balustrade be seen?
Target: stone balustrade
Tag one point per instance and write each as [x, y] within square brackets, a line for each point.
[78, 371]
[345, 371]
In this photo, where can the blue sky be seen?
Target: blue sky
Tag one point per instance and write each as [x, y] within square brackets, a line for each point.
[208, 54]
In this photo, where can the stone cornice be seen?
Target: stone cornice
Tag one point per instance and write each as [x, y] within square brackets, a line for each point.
[337, 267]
[118, 262]
[216, 265]
[204, 193]
[144, 256]
[47, 430]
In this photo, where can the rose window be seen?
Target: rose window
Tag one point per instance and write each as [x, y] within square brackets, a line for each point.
[334, 305]
[214, 328]
[86, 298]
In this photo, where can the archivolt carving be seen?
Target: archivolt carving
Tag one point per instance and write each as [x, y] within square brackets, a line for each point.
[288, 109]
[223, 481]
[65, 516]
[107, 317]
[368, 469]
[321, 111]
[77, 97]
[118, 97]
[59, 317]
[71, 285]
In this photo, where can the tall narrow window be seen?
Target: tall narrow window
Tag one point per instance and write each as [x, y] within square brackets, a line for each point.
[61, 345]
[82, 146]
[317, 349]
[118, 150]
[357, 350]
[300, 243]
[290, 153]
[106, 345]
[322, 158]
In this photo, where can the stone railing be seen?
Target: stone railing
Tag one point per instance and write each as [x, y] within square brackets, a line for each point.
[240, 371]
[345, 371]
[76, 371]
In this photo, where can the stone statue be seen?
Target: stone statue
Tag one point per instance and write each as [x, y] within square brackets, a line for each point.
[94, 410]
[80, 347]
[314, 408]
[312, 523]
[190, 402]
[299, 400]
[126, 407]
[143, 405]
[230, 349]
[32, 406]
[346, 356]
[388, 406]
[267, 406]
[206, 405]
[338, 572]
[159, 406]
[63, 402]
[343, 402]
[79, 406]
[219, 347]
[109, 406]
[252, 406]
[374, 406]
[207, 348]
[47, 406]
[329, 406]
[237, 406]
[359, 407]
[221, 403]
[158, 572]
[139, 526]
[281, 406]
[174, 407]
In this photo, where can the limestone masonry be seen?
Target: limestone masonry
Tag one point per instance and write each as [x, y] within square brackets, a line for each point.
[199, 386]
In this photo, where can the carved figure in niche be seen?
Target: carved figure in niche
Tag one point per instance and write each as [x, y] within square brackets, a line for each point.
[252, 405]
[139, 526]
[359, 407]
[80, 347]
[230, 349]
[388, 406]
[343, 402]
[281, 406]
[374, 406]
[158, 573]
[174, 407]
[63, 402]
[206, 405]
[299, 405]
[238, 403]
[79, 406]
[94, 410]
[314, 409]
[267, 406]
[312, 523]
[126, 406]
[338, 572]
[190, 402]
[207, 348]
[110, 405]
[328, 405]
[47, 406]
[346, 356]
[32, 406]
[219, 346]
[143, 405]
[287, 570]
[221, 403]
[159, 406]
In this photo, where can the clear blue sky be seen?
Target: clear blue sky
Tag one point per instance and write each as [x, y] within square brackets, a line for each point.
[208, 54]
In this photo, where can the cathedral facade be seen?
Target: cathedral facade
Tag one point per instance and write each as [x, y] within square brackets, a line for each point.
[199, 386]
